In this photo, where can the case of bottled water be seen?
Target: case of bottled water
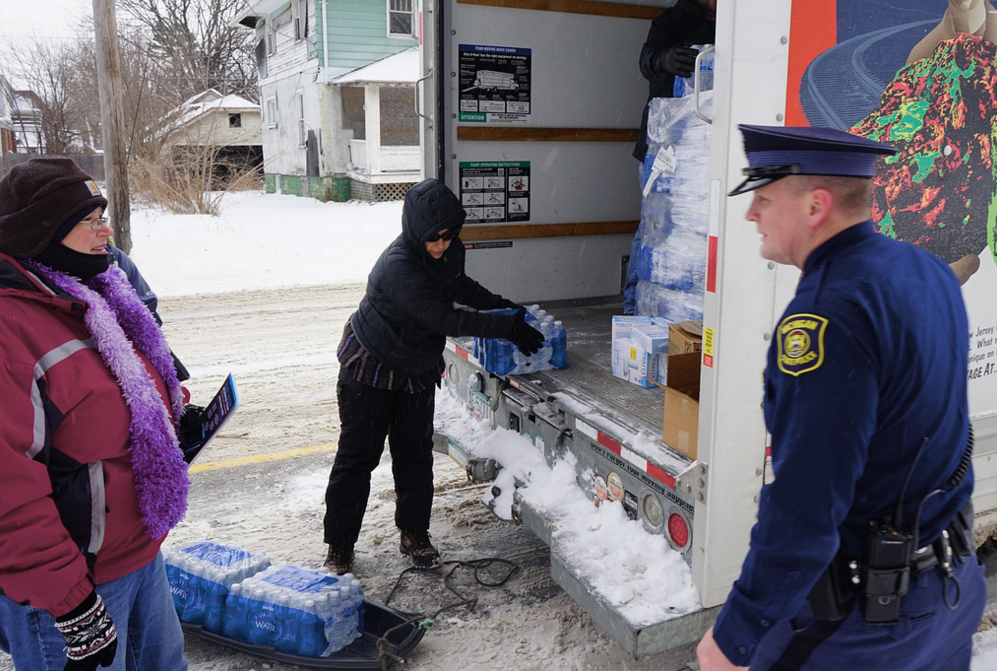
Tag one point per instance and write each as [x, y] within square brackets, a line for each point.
[201, 574]
[296, 610]
[671, 263]
[501, 357]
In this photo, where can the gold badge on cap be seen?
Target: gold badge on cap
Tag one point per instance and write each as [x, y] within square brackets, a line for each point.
[801, 343]
[94, 190]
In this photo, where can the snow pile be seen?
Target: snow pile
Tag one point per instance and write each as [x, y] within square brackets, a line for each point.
[636, 572]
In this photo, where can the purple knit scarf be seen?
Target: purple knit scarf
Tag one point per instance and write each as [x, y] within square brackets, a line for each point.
[117, 320]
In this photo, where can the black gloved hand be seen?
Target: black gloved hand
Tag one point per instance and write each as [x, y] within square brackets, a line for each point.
[678, 61]
[90, 635]
[191, 432]
[527, 339]
[505, 303]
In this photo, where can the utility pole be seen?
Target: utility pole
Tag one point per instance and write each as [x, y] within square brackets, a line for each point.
[112, 121]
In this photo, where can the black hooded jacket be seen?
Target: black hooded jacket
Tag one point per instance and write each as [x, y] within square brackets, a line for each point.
[684, 24]
[408, 310]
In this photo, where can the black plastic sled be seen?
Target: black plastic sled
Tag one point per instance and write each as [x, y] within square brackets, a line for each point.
[362, 653]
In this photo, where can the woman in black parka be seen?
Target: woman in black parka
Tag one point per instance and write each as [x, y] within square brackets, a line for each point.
[391, 361]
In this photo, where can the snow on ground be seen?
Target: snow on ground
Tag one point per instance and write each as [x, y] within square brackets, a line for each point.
[261, 242]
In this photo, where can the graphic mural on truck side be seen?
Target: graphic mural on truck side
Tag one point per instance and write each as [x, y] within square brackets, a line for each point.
[922, 78]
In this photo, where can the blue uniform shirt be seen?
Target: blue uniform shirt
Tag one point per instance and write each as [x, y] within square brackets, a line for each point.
[868, 361]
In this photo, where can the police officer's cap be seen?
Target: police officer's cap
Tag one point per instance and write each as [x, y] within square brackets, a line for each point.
[775, 152]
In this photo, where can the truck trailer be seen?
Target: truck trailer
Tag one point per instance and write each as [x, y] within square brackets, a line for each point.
[558, 153]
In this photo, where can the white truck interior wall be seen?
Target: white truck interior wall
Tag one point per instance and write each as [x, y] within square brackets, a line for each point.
[590, 275]
[590, 80]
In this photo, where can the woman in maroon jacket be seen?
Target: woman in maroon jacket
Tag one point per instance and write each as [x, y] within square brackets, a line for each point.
[91, 474]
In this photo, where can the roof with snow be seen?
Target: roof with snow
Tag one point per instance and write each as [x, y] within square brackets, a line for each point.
[401, 68]
[204, 103]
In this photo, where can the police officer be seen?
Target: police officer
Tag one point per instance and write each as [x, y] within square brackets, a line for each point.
[862, 556]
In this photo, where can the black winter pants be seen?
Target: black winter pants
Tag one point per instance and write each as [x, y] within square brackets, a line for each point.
[368, 415]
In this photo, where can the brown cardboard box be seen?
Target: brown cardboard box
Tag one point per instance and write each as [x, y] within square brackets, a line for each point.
[680, 430]
[685, 337]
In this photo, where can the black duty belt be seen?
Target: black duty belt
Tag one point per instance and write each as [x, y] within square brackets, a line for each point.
[834, 594]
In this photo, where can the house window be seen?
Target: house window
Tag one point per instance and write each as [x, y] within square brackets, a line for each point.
[271, 36]
[401, 19]
[235, 121]
[272, 112]
[300, 19]
[299, 107]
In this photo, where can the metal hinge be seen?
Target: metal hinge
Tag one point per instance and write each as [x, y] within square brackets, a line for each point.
[692, 481]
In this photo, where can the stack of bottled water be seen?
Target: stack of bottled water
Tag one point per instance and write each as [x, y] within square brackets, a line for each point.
[501, 357]
[201, 573]
[296, 610]
[671, 266]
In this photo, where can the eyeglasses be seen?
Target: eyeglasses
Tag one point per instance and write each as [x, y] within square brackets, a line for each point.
[449, 234]
[97, 224]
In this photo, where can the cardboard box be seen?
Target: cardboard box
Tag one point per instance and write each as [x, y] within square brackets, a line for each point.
[685, 337]
[680, 430]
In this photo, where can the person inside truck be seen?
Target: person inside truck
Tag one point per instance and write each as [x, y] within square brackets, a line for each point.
[391, 362]
[863, 553]
[91, 472]
[667, 53]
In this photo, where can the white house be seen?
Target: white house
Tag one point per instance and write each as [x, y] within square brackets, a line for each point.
[229, 124]
[337, 89]
[27, 122]
[7, 141]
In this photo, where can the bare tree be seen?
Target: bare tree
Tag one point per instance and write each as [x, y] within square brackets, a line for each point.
[194, 47]
[57, 87]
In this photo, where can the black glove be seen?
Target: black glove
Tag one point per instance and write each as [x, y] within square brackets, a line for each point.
[678, 61]
[90, 635]
[527, 339]
[191, 429]
[505, 303]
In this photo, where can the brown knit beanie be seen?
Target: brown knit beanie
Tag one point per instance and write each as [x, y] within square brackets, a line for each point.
[37, 197]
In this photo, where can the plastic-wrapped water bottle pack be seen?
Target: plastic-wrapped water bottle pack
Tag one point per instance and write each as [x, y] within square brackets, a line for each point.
[501, 357]
[200, 575]
[676, 262]
[671, 263]
[240, 595]
[298, 610]
[673, 305]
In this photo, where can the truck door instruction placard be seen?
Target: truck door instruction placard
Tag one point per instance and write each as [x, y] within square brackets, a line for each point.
[494, 83]
[495, 191]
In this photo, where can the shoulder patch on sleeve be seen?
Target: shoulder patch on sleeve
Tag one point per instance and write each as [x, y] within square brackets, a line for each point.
[801, 343]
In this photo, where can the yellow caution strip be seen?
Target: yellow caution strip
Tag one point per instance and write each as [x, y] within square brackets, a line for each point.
[261, 458]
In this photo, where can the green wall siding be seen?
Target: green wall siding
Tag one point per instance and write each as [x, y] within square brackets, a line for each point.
[358, 32]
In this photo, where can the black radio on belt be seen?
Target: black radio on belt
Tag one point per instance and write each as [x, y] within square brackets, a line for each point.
[886, 574]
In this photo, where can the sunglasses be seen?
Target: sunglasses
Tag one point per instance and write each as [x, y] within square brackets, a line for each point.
[449, 234]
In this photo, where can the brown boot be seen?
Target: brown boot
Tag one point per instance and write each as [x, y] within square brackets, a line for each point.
[340, 560]
[420, 550]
